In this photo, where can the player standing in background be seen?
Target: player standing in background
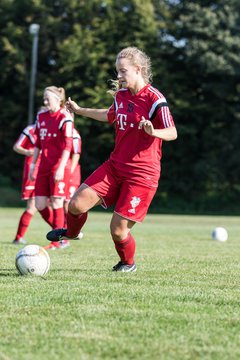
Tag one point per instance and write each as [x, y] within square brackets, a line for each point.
[25, 146]
[54, 129]
[129, 179]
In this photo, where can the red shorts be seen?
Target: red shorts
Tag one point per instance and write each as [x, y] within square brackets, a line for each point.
[130, 197]
[28, 186]
[46, 186]
[28, 189]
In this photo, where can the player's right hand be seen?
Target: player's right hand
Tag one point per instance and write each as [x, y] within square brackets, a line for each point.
[29, 152]
[71, 105]
[31, 174]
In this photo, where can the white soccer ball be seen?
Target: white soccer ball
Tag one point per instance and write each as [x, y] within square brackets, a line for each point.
[32, 259]
[220, 234]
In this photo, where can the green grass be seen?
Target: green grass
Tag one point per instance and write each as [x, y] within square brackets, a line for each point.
[183, 302]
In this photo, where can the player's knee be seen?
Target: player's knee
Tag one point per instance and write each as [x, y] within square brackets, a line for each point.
[117, 233]
[40, 207]
[32, 211]
[74, 207]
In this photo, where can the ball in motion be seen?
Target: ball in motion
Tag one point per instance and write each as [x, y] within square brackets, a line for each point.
[32, 259]
[220, 234]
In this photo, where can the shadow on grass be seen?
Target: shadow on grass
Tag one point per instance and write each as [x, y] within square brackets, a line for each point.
[13, 273]
[10, 242]
[8, 272]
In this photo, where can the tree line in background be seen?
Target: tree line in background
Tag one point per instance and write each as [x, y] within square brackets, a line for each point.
[194, 47]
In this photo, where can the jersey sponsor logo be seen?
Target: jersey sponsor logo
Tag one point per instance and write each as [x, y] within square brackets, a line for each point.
[122, 121]
[42, 133]
[134, 203]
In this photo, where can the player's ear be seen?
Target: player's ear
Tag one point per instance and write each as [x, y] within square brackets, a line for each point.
[138, 69]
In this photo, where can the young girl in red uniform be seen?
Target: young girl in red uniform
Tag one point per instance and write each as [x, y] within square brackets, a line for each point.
[54, 129]
[129, 179]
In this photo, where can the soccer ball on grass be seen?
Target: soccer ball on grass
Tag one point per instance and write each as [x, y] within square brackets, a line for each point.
[220, 234]
[32, 259]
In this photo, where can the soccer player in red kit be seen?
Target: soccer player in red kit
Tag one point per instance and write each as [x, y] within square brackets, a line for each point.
[129, 179]
[54, 129]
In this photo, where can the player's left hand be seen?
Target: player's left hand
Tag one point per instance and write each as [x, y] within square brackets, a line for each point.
[147, 126]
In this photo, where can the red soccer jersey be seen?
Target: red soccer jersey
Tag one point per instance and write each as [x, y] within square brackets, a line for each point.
[54, 134]
[27, 141]
[135, 151]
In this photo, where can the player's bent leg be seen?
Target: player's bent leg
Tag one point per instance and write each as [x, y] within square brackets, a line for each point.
[83, 200]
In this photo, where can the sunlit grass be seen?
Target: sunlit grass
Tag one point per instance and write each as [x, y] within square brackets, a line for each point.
[182, 303]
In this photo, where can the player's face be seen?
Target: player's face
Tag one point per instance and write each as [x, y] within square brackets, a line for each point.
[127, 73]
[51, 101]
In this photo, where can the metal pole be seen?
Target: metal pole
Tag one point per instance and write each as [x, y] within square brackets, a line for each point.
[33, 29]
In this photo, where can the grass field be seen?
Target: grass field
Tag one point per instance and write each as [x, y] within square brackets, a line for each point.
[182, 303]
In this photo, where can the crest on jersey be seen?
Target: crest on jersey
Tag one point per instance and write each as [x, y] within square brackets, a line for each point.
[130, 107]
[134, 203]
[43, 133]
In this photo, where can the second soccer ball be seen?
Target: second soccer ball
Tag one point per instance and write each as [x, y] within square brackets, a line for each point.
[220, 234]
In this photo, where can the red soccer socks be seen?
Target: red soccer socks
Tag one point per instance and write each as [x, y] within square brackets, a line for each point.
[58, 218]
[23, 224]
[75, 224]
[126, 249]
[47, 215]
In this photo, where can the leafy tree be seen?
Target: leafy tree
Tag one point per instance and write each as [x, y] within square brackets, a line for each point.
[194, 47]
[204, 66]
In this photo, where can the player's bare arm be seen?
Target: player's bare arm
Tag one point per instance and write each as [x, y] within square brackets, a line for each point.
[96, 114]
[75, 160]
[20, 150]
[166, 134]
